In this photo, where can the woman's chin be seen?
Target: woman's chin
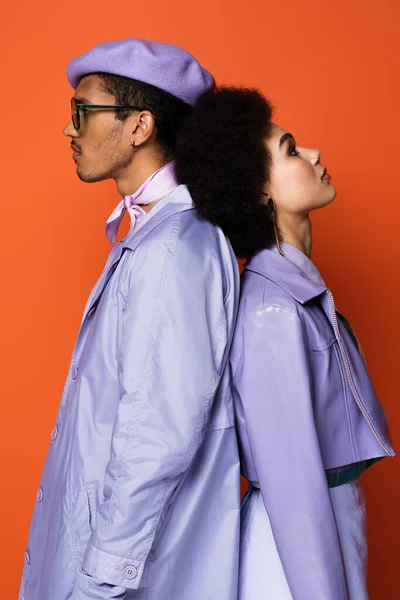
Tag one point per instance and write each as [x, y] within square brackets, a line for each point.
[332, 192]
[329, 195]
[324, 199]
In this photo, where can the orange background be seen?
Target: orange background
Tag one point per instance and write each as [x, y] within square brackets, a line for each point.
[332, 69]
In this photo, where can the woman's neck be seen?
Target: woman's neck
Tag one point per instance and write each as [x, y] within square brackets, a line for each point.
[296, 231]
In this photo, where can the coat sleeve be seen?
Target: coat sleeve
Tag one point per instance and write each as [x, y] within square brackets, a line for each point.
[173, 350]
[273, 382]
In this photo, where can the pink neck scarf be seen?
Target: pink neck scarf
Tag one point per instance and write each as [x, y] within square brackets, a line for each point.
[156, 187]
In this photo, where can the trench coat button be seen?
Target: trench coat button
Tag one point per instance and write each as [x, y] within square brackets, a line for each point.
[54, 434]
[27, 558]
[74, 372]
[39, 495]
[130, 572]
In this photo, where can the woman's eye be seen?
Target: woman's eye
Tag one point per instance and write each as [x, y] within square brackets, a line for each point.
[293, 151]
[85, 111]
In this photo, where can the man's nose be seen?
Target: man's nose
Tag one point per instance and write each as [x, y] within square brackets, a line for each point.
[70, 131]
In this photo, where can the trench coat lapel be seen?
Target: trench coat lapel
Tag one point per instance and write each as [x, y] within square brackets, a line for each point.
[179, 201]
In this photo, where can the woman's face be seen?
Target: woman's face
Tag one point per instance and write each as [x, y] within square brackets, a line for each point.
[298, 181]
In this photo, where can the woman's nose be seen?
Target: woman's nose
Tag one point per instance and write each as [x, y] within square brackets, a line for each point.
[316, 156]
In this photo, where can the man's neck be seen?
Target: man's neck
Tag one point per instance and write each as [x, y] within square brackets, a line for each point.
[136, 174]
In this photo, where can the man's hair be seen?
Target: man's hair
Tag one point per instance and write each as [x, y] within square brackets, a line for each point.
[223, 159]
[169, 112]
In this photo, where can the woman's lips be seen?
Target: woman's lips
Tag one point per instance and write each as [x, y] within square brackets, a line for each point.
[325, 175]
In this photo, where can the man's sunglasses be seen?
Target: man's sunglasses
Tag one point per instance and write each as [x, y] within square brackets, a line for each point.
[77, 108]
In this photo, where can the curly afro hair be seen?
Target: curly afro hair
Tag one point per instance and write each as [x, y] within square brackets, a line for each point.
[223, 159]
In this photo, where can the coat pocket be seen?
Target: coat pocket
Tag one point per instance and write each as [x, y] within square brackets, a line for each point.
[91, 503]
[83, 520]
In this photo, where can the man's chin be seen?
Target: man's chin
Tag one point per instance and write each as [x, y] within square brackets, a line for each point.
[89, 177]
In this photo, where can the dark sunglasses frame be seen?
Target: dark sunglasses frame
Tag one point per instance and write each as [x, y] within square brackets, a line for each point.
[77, 107]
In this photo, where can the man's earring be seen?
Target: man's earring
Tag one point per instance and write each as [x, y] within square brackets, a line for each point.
[272, 213]
[133, 145]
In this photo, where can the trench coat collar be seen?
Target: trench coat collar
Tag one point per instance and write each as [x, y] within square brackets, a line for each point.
[294, 272]
[179, 200]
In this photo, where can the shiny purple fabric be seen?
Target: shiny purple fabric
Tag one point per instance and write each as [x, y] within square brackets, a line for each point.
[297, 375]
[140, 494]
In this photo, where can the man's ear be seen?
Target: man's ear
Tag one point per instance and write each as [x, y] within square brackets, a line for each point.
[144, 128]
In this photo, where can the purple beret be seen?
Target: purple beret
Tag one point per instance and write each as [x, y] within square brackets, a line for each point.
[164, 66]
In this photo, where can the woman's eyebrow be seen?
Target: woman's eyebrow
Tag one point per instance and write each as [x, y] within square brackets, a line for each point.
[284, 138]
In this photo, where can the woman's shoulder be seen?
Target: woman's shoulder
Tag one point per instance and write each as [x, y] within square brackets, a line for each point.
[259, 292]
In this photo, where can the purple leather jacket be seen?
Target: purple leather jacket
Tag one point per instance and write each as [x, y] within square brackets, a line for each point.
[304, 404]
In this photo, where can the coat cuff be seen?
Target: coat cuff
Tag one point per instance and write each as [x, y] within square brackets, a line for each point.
[88, 588]
[115, 570]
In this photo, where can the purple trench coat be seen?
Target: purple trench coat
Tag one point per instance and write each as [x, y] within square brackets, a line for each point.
[304, 404]
[140, 490]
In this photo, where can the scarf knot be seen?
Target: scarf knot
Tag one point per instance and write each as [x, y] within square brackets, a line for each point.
[157, 186]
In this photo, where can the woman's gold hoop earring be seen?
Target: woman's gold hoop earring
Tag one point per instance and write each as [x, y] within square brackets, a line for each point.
[272, 213]
[133, 145]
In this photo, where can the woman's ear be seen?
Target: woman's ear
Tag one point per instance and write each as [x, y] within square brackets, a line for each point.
[266, 197]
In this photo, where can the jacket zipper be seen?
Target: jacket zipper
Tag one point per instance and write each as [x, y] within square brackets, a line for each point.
[350, 381]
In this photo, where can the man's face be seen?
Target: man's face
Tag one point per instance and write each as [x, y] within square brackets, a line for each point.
[101, 146]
